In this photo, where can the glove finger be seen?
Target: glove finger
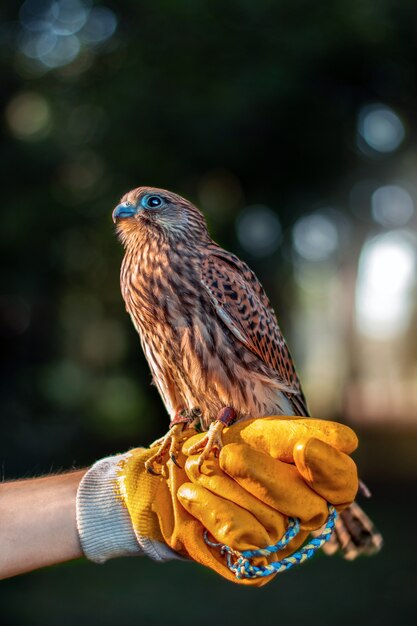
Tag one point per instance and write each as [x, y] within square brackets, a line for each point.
[215, 480]
[277, 436]
[227, 522]
[185, 497]
[182, 531]
[331, 473]
[275, 483]
[196, 549]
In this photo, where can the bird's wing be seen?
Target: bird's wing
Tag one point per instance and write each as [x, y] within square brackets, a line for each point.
[242, 304]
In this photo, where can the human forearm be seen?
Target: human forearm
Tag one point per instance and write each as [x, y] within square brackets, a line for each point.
[38, 523]
[117, 508]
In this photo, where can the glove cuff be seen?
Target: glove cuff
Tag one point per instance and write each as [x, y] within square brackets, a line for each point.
[103, 522]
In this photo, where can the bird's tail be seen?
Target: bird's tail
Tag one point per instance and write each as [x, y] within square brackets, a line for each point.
[354, 534]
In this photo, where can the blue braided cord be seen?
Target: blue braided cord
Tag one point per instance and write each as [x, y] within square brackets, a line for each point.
[291, 532]
[239, 562]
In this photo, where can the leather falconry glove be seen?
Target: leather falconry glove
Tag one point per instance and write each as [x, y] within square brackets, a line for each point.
[268, 470]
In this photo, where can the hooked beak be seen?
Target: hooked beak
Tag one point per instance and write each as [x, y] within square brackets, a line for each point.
[124, 210]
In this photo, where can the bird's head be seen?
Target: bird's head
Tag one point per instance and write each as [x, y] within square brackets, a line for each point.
[146, 211]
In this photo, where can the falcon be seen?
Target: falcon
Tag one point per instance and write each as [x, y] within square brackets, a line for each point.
[209, 334]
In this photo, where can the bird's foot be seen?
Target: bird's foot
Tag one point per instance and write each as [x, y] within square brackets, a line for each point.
[169, 444]
[213, 439]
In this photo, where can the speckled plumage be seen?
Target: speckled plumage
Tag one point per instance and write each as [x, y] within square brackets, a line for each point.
[206, 325]
[208, 330]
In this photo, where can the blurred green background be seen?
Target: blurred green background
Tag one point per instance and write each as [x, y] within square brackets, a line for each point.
[292, 125]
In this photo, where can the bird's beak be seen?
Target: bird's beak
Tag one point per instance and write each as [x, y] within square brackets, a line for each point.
[123, 210]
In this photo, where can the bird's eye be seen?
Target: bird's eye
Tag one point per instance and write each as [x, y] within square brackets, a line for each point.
[152, 202]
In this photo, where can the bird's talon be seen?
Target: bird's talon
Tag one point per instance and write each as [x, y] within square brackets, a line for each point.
[168, 446]
[174, 460]
[150, 470]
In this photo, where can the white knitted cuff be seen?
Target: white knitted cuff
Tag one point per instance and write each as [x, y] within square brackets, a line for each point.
[103, 522]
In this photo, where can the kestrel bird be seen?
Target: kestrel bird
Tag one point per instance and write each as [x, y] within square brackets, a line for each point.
[209, 333]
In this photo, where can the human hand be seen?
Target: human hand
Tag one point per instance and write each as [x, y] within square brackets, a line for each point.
[269, 469]
[292, 467]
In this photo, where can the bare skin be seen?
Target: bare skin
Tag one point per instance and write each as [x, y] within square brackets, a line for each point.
[38, 523]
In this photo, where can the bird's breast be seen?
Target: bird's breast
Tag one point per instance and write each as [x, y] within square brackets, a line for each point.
[188, 346]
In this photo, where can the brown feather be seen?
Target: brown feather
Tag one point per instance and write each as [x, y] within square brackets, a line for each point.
[241, 303]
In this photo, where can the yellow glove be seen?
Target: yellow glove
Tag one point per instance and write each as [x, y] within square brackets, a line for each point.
[268, 470]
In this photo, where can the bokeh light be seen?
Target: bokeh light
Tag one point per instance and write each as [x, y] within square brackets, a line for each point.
[65, 383]
[392, 206]
[381, 128]
[102, 342]
[54, 31]
[315, 237]
[63, 17]
[384, 288]
[259, 230]
[28, 116]
[100, 26]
